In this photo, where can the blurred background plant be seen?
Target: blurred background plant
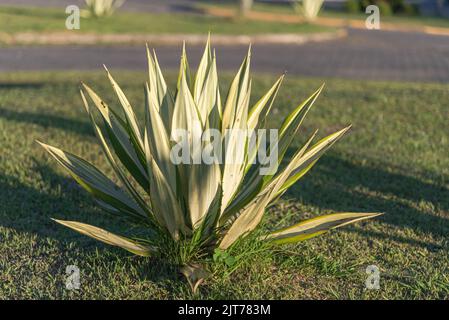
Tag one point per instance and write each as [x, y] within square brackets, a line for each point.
[101, 8]
[353, 6]
[386, 7]
[309, 9]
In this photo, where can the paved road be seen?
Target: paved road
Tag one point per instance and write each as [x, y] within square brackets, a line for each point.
[362, 55]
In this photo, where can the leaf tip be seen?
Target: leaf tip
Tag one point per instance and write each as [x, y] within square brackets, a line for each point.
[45, 146]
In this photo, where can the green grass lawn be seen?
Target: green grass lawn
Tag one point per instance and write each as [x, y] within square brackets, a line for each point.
[394, 161]
[397, 19]
[400, 19]
[25, 19]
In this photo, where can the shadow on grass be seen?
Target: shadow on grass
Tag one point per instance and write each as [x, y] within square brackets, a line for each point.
[335, 184]
[186, 8]
[340, 185]
[21, 85]
[28, 210]
[48, 121]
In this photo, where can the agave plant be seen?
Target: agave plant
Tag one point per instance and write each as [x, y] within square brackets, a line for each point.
[102, 8]
[309, 9]
[192, 209]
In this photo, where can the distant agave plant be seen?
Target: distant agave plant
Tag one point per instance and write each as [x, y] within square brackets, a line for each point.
[309, 9]
[193, 209]
[102, 8]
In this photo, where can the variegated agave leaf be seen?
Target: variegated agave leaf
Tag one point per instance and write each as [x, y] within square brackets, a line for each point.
[316, 226]
[109, 238]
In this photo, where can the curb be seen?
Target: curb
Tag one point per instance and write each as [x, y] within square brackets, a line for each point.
[68, 38]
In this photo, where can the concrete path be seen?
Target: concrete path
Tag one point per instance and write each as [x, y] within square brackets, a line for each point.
[370, 55]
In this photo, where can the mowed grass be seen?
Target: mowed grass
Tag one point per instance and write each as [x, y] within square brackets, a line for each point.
[286, 8]
[394, 161]
[28, 19]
